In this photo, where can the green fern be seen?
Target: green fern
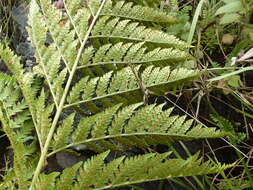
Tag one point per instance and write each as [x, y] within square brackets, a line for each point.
[226, 125]
[16, 124]
[150, 3]
[98, 175]
[115, 88]
[120, 55]
[132, 126]
[124, 30]
[136, 12]
[104, 60]
[149, 167]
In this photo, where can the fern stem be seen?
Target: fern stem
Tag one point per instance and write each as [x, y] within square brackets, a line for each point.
[60, 108]
[72, 22]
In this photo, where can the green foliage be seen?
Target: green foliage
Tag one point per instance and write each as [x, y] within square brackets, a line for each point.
[132, 126]
[16, 123]
[104, 61]
[116, 87]
[224, 124]
[234, 10]
[126, 10]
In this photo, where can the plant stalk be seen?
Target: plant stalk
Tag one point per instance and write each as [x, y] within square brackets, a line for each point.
[61, 105]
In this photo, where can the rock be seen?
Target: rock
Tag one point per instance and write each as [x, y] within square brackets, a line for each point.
[66, 160]
[25, 49]
[227, 39]
[20, 16]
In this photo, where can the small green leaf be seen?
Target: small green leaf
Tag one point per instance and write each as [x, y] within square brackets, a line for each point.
[232, 7]
[229, 18]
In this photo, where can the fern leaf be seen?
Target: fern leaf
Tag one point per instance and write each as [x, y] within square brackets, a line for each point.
[43, 113]
[89, 170]
[61, 137]
[151, 3]
[136, 12]
[67, 177]
[46, 182]
[116, 31]
[123, 54]
[29, 85]
[97, 175]
[57, 86]
[78, 17]
[15, 120]
[48, 57]
[11, 61]
[117, 87]
[68, 47]
[144, 127]
[62, 34]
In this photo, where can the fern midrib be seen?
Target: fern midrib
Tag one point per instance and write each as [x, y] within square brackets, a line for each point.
[184, 136]
[137, 39]
[133, 62]
[73, 24]
[128, 90]
[134, 18]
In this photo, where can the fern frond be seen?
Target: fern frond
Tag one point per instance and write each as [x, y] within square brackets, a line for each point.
[114, 30]
[102, 63]
[47, 56]
[133, 127]
[118, 87]
[15, 122]
[61, 137]
[65, 182]
[120, 55]
[150, 3]
[29, 84]
[61, 32]
[95, 174]
[46, 182]
[127, 10]
[78, 16]
[43, 113]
